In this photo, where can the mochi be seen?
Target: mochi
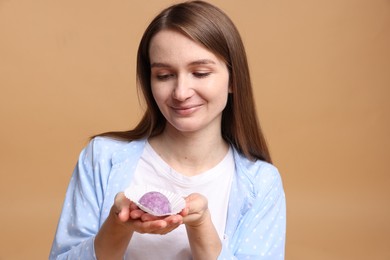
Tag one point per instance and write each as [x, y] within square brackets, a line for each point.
[156, 202]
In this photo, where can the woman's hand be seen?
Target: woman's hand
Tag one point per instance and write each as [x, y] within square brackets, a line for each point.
[196, 210]
[124, 219]
[135, 219]
[202, 235]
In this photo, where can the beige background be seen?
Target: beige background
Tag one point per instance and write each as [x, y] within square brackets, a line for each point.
[321, 71]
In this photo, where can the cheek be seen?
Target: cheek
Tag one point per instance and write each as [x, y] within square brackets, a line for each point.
[158, 94]
[219, 88]
[155, 94]
[223, 92]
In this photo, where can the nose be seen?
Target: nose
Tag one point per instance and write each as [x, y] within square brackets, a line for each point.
[183, 89]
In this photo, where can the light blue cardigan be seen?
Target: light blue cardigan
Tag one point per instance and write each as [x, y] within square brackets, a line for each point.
[256, 222]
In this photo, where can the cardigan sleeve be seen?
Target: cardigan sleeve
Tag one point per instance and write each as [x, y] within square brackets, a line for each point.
[80, 216]
[260, 232]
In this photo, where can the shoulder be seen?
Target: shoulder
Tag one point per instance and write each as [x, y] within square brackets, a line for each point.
[254, 168]
[259, 174]
[101, 148]
[106, 143]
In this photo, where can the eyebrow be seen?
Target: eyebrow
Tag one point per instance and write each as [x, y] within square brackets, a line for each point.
[197, 62]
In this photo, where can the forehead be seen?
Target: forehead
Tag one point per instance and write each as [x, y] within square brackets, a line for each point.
[170, 45]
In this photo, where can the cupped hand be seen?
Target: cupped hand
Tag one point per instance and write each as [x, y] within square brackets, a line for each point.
[130, 215]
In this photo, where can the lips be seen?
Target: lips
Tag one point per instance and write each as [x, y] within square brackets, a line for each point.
[186, 110]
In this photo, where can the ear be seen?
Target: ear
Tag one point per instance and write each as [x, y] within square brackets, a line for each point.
[230, 89]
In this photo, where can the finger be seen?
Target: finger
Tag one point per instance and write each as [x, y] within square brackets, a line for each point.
[150, 227]
[184, 212]
[196, 202]
[172, 223]
[133, 206]
[122, 206]
[174, 220]
[167, 229]
[169, 219]
[136, 214]
[149, 217]
[160, 226]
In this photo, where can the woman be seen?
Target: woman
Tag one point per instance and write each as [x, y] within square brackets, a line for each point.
[199, 137]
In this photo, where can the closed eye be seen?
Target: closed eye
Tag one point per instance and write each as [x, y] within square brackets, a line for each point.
[201, 74]
[163, 77]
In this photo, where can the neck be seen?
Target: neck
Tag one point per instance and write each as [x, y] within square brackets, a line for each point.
[190, 153]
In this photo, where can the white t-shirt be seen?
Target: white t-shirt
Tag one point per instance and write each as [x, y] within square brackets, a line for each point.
[214, 184]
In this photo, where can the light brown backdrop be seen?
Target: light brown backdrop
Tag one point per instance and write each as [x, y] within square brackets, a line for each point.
[321, 71]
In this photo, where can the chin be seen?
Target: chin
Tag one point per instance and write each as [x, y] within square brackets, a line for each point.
[185, 128]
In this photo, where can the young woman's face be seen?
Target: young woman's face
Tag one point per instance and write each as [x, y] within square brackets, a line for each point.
[189, 83]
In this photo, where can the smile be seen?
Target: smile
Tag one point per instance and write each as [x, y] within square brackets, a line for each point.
[186, 111]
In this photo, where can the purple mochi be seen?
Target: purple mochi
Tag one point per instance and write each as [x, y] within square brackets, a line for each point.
[156, 202]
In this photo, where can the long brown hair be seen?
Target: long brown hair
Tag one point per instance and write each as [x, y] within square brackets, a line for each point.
[211, 27]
